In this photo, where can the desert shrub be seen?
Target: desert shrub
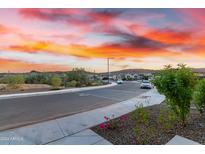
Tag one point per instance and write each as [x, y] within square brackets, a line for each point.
[140, 115]
[37, 78]
[56, 82]
[72, 83]
[144, 131]
[2, 87]
[80, 76]
[199, 96]
[96, 83]
[177, 86]
[15, 81]
[4, 80]
[167, 119]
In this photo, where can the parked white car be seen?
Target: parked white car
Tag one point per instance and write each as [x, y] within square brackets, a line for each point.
[146, 85]
[119, 81]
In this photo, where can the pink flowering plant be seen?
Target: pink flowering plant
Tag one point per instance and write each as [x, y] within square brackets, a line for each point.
[113, 124]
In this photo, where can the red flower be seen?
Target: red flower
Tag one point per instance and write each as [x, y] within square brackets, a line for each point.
[102, 126]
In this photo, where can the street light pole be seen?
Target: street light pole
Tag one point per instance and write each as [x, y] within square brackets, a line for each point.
[108, 69]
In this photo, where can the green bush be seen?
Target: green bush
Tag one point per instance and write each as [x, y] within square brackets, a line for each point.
[199, 96]
[38, 78]
[72, 83]
[80, 76]
[14, 81]
[177, 86]
[56, 82]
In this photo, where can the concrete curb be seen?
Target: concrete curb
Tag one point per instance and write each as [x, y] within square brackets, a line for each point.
[54, 130]
[8, 96]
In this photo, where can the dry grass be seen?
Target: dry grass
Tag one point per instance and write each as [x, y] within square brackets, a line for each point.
[23, 87]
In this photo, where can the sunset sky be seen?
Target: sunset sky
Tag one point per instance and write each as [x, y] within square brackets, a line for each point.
[61, 39]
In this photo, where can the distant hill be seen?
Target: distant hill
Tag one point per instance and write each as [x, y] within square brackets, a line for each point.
[39, 72]
[132, 71]
[136, 71]
[125, 71]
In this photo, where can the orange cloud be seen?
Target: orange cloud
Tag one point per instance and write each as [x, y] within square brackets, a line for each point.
[169, 36]
[36, 46]
[17, 66]
[117, 52]
[6, 30]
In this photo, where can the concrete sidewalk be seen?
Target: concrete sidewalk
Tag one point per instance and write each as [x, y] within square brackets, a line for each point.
[86, 137]
[179, 140]
[63, 129]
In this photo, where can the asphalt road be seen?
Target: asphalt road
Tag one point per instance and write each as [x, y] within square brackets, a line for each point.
[17, 112]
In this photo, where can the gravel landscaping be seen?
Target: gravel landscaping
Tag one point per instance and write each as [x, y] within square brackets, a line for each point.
[125, 132]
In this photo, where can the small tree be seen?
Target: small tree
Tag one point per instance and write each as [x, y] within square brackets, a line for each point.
[177, 86]
[199, 96]
[56, 82]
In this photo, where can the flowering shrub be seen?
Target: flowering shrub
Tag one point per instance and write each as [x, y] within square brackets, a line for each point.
[102, 126]
[113, 124]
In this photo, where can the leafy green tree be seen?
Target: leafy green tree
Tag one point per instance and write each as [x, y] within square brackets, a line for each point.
[199, 96]
[177, 86]
[56, 82]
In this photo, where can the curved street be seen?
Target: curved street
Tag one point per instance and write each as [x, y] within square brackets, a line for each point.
[16, 112]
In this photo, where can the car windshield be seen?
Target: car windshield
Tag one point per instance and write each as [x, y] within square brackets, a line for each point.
[145, 81]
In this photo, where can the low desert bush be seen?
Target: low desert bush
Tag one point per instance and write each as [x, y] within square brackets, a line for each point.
[72, 83]
[199, 96]
[56, 82]
[144, 130]
[15, 81]
[167, 119]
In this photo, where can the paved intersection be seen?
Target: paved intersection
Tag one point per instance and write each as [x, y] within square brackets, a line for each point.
[17, 112]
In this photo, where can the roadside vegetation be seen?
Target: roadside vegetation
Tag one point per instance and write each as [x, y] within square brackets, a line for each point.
[78, 77]
[199, 96]
[178, 86]
[181, 112]
[56, 82]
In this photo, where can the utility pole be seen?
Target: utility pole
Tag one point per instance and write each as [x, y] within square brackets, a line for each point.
[108, 69]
